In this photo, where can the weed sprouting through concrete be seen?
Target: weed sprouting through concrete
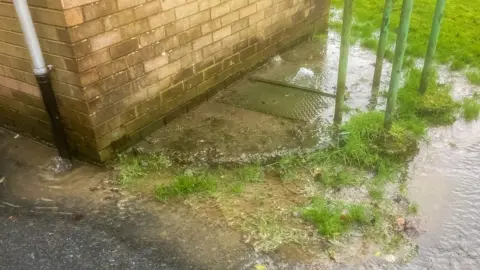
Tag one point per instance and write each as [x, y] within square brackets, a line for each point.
[186, 184]
[132, 166]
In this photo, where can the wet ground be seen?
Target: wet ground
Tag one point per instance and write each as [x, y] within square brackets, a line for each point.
[82, 220]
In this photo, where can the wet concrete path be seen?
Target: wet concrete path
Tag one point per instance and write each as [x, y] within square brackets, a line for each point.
[80, 220]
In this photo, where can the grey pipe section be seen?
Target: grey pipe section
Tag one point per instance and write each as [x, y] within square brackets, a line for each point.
[31, 39]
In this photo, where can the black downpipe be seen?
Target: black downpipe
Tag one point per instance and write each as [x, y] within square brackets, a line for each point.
[59, 136]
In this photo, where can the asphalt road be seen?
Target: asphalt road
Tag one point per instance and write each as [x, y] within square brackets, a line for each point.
[58, 241]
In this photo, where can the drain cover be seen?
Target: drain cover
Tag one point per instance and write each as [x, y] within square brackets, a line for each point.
[275, 100]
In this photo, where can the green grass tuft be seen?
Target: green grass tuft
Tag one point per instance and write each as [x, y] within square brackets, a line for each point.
[184, 185]
[436, 106]
[250, 174]
[335, 218]
[473, 76]
[338, 176]
[412, 209]
[470, 108]
[134, 166]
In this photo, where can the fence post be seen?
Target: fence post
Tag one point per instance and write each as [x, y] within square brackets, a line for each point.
[432, 45]
[382, 44]
[400, 47]
[342, 68]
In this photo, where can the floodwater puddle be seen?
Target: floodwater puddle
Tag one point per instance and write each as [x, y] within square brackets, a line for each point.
[256, 121]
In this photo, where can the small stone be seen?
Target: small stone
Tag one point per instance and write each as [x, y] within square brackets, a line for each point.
[390, 258]
[400, 221]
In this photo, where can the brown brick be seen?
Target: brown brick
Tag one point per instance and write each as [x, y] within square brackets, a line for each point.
[177, 27]
[81, 48]
[135, 28]
[89, 77]
[156, 63]
[211, 71]
[111, 97]
[118, 19]
[99, 9]
[93, 60]
[161, 19]
[124, 4]
[183, 75]
[199, 18]
[72, 104]
[211, 26]
[239, 25]
[180, 52]
[202, 42]
[190, 35]
[55, 47]
[230, 18]
[46, 16]
[220, 10]
[193, 81]
[212, 49]
[124, 48]
[73, 16]
[155, 89]
[206, 4]
[105, 85]
[85, 30]
[236, 4]
[147, 9]
[152, 36]
[105, 39]
[75, 3]
[186, 10]
[135, 71]
[112, 67]
[221, 33]
[169, 69]
[172, 92]
[248, 10]
[169, 4]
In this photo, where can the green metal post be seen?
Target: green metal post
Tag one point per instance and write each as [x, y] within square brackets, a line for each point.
[342, 68]
[400, 47]
[432, 44]
[382, 45]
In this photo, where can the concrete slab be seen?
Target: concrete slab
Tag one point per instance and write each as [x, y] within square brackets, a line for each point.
[218, 133]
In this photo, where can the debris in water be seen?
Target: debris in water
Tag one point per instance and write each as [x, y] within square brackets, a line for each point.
[16, 136]
[304, 73]
[58, 165]
[277, 59]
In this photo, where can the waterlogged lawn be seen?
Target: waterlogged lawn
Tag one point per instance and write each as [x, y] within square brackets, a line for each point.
[459, 42]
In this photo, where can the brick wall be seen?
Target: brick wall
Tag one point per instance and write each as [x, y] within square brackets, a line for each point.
[21, 107]
[126, 67]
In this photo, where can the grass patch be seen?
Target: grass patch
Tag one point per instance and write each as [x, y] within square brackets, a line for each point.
[134, 166]
[269, 232]
[367, 145]
[184, 185]
[470, 108]
[436, 106]
[412, 209]
[250, 174]
[334, 218]
[337, 177]
[459, 41]
[473, 76]
[376, 193]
